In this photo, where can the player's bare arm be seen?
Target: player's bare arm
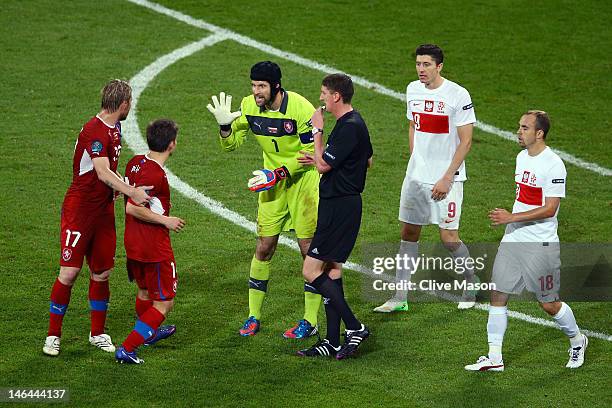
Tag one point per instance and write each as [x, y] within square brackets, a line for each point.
[370, 161]
[442, 187]
[411, 136]
[116, 193]
[145, 214]
[110, 178]
[500, 216]
[318, 122]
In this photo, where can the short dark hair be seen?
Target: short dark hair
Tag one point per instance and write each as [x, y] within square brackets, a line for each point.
[341, 83]
[432, 50]
[542, 120]
[160, 133]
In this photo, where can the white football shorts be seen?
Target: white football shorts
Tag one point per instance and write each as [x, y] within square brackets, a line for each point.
[535, 266]
[417, 207]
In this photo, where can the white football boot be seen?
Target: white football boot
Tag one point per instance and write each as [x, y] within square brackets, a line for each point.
[52, 346]
[468, 298]
[484, 363]
[102, 341]
[392, 305]
[576, 354]
[466, 304]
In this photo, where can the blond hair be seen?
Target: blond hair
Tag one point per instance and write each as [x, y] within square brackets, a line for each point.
[114, 94]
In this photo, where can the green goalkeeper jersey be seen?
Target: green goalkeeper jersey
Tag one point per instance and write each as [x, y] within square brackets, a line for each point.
[281, 134]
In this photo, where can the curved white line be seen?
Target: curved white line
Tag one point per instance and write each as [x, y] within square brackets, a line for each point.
[137, 144]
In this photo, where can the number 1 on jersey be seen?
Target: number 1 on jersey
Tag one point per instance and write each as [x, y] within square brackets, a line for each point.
[275, 145]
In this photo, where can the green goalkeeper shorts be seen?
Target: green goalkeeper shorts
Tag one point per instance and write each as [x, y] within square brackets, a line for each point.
[291, 205]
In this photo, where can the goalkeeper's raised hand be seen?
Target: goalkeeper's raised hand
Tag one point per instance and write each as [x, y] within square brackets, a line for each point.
[222, 110]
[266, 179]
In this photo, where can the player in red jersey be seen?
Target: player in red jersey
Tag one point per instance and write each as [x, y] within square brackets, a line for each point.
[88, 217]
[150, 259]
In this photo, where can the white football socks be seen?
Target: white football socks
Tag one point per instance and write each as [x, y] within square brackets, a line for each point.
[567, 322]
[496, 328]
[410, 250]
[463, 253]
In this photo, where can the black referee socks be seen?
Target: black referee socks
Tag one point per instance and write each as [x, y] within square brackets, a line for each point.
[332, 291]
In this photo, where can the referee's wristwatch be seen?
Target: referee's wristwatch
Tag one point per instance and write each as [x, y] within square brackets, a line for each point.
[316, 130]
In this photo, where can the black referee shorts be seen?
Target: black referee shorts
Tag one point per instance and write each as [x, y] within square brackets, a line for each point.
[337, 228]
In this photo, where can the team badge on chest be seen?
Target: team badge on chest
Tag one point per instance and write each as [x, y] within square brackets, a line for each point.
[288, 125]
[526, 176]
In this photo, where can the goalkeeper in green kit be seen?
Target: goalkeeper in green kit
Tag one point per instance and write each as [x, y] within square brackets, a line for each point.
[288, 192]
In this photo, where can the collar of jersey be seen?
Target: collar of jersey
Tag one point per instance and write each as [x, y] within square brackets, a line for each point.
[346, 115]
[153, 160]
[107, 125]
[438, 89]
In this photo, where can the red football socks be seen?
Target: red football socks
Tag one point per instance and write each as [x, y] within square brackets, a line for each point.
[142, 305]
[99, 294]
[60, 298]
[144, 328]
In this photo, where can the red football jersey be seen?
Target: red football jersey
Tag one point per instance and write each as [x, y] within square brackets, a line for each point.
[87, 193]
[144, 241]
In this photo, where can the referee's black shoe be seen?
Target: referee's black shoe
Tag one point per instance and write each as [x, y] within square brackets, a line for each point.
[354, 338]
[321, 348]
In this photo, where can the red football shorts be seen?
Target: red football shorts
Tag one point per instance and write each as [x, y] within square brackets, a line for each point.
[158, 278]
[90, 236]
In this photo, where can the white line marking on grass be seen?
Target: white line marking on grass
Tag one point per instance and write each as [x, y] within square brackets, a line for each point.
[568, 158]
[241, 39]
[142, 79]
[137, 144]
[517, 315]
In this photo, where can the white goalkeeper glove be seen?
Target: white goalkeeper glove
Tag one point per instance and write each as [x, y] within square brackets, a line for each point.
[222, 109]
[266, 179]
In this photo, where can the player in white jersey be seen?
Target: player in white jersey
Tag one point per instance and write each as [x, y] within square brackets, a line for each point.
[442, 118]
[529, 255]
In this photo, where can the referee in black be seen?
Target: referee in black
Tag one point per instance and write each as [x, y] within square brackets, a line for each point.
[343, 164]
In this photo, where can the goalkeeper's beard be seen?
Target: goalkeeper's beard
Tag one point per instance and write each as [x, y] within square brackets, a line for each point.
[266, 101]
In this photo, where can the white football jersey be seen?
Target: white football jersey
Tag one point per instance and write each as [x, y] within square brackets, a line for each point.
[536, 178]
[436, 114]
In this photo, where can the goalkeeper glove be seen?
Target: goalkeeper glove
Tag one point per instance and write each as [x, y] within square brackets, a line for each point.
[266, 179]
[222, 110]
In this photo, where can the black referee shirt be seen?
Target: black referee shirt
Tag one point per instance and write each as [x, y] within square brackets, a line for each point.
[347, 152]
